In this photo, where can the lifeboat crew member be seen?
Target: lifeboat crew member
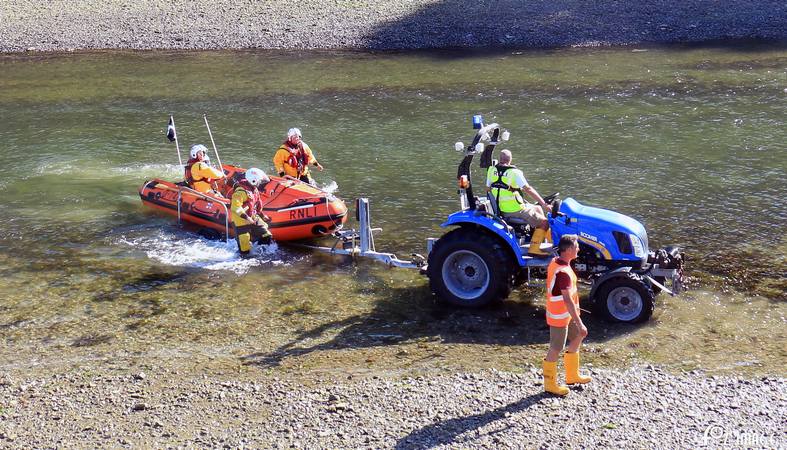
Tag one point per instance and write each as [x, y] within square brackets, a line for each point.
[562, 304]
[199, 174]
[246, 211]
[507, 183]
[294, 157]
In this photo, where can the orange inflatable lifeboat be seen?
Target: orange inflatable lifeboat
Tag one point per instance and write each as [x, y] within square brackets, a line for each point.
[297, 209]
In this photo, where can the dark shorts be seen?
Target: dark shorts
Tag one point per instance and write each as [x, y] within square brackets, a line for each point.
[558, 335]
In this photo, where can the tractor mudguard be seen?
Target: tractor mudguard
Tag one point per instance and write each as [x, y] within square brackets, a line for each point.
[494, 226]
[619, 272]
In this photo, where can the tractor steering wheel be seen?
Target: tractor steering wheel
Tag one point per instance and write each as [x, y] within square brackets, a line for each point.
[556, 208]
[551, 197]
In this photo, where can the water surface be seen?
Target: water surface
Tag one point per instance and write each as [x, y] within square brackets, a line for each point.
[688, 141]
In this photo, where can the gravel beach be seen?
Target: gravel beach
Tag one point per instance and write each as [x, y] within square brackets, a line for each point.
[641, 407]
[378, 24]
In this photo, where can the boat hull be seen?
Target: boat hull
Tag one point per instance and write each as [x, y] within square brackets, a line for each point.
[297, 210]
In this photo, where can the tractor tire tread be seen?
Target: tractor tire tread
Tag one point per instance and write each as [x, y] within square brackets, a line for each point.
[490, 248]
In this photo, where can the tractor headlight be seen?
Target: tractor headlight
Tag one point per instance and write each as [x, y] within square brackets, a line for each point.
[636, 245]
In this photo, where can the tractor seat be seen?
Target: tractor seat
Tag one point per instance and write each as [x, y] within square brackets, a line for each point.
[492, 202]
[514, 220]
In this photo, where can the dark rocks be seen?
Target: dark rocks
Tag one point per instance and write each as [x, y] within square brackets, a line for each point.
[140, 407]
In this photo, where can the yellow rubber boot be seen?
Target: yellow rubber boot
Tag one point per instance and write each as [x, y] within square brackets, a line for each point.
[244, 243]
[550, 379]
[571, 361]
[535, 243]
[548, 235]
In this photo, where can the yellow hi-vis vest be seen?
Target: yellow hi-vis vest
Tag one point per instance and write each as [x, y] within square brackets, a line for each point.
[502, 187]
[557, 313]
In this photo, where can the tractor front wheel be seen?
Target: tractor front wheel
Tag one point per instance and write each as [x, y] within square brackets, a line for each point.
[625, 299]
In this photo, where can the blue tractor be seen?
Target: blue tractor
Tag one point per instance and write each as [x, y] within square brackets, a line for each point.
[485, 255]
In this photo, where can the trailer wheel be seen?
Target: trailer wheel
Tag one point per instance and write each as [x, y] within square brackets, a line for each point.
[468, 267]
[625, 299]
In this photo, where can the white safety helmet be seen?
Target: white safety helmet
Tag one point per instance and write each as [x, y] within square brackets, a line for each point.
[198, 148]
[293, 132]
[256, 176]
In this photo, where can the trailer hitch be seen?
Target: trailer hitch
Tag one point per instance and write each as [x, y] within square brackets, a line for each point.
[667, 263]
[360, 243]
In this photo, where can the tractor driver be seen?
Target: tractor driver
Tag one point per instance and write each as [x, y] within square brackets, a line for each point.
[507, 183]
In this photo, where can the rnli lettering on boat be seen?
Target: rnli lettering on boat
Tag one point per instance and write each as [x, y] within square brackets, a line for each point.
[304, 213]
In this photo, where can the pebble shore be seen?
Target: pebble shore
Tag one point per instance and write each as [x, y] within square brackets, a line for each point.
[641, 407]
[30, 25]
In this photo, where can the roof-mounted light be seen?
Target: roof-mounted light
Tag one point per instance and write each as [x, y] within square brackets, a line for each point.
[478, 122]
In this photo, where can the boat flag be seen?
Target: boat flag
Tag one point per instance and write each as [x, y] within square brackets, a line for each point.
[171, 130]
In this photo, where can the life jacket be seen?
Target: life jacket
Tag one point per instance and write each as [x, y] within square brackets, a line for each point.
[187, 175]
[252, 204]
[557, 313]
[507, 195]
[297, 157]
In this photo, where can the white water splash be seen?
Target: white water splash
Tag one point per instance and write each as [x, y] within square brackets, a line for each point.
[54, 168]
[330, 187]
[95, 171]
[193, 251]
[166, 171]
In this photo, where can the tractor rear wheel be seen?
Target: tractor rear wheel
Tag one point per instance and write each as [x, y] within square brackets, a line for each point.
[468, 267]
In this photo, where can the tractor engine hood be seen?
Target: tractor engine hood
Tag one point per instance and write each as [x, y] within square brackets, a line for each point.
[625, 237]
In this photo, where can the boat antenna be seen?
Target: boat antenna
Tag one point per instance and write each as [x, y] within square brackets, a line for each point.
[205, 116]
[173, 136]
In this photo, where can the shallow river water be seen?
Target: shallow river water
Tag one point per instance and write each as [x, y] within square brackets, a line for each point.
[690, 141]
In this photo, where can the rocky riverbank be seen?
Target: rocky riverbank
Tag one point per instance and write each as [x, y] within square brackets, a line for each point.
[641, 407]
[27, 25]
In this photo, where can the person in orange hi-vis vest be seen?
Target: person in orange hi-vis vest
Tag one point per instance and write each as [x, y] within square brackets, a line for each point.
[294, 157]
[562, 304]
